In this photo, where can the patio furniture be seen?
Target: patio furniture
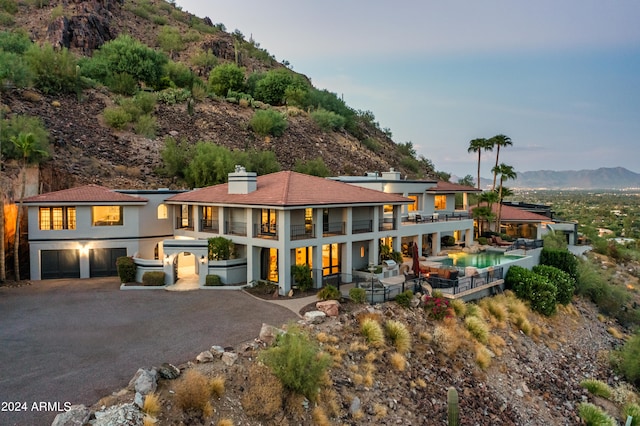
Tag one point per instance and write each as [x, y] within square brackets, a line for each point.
[500, 242]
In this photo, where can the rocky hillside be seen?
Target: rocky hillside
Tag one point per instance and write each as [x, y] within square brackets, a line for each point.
[85, 149]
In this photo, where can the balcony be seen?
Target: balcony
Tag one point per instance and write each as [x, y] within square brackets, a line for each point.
[361, 226]
[184, 223]
[266, 230]
[302, 232]
[384, 225]
[333, 228]
[235, 228]
[209, 225]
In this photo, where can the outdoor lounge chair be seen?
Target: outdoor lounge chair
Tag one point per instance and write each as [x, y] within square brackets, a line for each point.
[500, 242]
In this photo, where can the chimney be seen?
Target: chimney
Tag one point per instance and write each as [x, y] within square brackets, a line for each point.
[391, 175]
[241, 181]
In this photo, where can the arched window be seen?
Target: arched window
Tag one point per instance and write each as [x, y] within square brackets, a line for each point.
[162, 211]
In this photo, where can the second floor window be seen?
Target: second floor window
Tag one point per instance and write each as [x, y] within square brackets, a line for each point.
[107, 215]
[57, 218]
[441, 202]
[413, 206]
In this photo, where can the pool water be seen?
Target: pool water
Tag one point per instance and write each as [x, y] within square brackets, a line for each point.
[478, 260]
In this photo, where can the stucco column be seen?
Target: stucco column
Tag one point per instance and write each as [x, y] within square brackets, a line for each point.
[468, 238]
[435, 243]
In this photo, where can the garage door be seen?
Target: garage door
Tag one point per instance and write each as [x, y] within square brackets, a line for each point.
[60, 264]
[102, 262]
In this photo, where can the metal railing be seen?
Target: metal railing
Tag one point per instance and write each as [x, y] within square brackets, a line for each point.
[333, 228]
[235, 228]
[209, 225]
[464, 283]
[361, 226]
[386, 226]
[265, 230]
[302, 232]
[184, 224]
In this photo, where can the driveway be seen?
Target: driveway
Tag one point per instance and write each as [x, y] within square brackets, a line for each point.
[76, 341]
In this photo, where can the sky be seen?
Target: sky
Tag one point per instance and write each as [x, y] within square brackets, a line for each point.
[560, 78]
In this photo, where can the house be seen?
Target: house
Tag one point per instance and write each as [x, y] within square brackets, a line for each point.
[79, 232]
[275, 221]
[521, 223]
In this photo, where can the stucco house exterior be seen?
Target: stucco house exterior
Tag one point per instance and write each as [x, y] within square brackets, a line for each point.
[275, 221]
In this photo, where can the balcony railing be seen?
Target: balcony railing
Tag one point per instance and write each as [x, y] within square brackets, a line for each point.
[333, 228]
[209, 225]
[464, 283]
[386, 226]
[302, 232]
[235, 228]
[436, 217]
[184, 223]
[361, 226]
[265, 230]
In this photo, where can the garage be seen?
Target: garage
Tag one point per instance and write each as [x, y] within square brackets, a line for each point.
[102, 262]
[60, 264]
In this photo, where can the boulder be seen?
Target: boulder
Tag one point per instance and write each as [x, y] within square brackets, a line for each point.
[77, 415]
[205, 356]
[144, 381]
[268, 333]
[119, 415]
[168, 371]
[329, 307]
[315, 317]
[229, 358]
[217, 351]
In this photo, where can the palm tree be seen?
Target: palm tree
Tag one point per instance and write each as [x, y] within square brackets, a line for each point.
[506, 173]
[27, 146]
[477, 145]
[498, 141]
[485, 213]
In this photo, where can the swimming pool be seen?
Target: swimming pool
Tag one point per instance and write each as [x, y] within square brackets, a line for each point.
[478, 260]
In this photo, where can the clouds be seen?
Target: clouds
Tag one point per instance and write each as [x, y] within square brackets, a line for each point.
[562, 79]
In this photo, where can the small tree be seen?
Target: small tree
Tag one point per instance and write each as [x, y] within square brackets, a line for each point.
[226, 77]
[27, 146]
[302, 276]
[268, 123]
[220, 248]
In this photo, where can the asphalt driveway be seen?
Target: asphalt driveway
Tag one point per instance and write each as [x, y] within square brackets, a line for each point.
[75, 341]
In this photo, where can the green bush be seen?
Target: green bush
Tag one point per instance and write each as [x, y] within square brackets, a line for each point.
[226, 77]
[153, 278]
[271, 86]
[220, 248]
[116, 117]
[315, 167]
[54, 70]
[122, 83]
[173, 96]
[448, 241]
[371, 144]
[404, 299]
[180, 74]
[302, 277]
[126, 269]
[564, 283]
[297, 361]
[329, 292]
[535, 288]
[146, 126]
[213, 280]
[358, 295]
[9, 6]
[561, 259]
[145, 101]
[629, 359]
[14, 70]
[328, 120]
[592, 415]
[597, 388]
[268, 122]
[15, 42]
[632, 410]
[170, 40]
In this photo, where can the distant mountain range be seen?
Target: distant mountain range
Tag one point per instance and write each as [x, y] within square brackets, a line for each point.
[602, 178]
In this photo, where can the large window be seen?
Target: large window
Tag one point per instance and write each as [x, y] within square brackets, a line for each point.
[413, 206]
[184, 216]
[441, 202]
[330, 259]
[209, 218]
[268, 221]
[163, 212]
[107, 215]
[57, 218]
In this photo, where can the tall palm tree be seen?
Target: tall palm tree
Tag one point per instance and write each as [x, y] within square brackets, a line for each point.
[506, 172]
[27, 146]
[477, 145]
[499, 141]
[485, 213]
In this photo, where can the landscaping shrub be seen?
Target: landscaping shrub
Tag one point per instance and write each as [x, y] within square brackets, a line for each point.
[629, 359]
[54, 70]
[268, 122]
[372, 332]
[478, 328]
[565, 284]
[437, 308]
[220, 248]
[116, 117]
[448, 241]
[171, 96]
[535, 288]
[328, 120]
[315, 167]
[329, 292]
[145, 125]
[597, 388]
[297, 361]
[561, 259]
[122, 83]
[153, 278]
[371, 144]
[404, 299]
[358, 295]
[193, 392]
[126, 269]
[213, 280]
[302, 277]
[399, 335]
[263, 396]
[592, 415]
[226, 77]
[633, 410]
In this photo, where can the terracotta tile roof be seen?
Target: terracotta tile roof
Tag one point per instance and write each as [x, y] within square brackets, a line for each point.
[289, 188]
[84, 194]
[443, 186]
[514, 214]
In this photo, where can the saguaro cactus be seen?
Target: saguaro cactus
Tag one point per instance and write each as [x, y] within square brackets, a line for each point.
[453, 410]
